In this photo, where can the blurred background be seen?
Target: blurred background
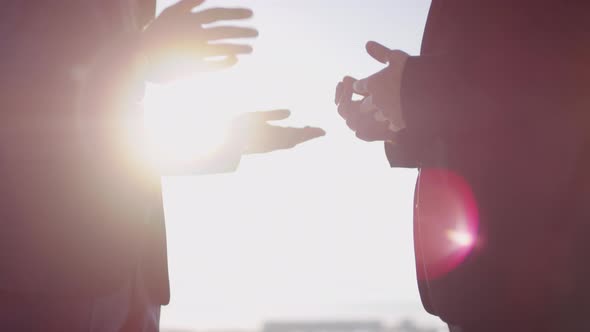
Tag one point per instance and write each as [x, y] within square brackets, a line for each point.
[321, 234]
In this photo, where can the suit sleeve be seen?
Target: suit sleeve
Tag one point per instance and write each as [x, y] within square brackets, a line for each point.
[524, 76]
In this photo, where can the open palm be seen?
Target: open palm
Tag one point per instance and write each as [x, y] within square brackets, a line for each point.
[179, 42]
[256, 135]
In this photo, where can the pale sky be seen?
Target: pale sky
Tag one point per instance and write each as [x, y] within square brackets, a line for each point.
[323, 231]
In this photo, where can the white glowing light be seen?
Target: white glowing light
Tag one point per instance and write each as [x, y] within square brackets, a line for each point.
[177, 131]
[461, 238]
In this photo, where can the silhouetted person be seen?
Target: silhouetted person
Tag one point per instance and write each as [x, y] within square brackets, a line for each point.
[82, 241]
[494, 113]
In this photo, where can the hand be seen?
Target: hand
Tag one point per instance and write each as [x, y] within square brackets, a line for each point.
[369, 125]
[256, 135]
[176, 43]
[382, 90]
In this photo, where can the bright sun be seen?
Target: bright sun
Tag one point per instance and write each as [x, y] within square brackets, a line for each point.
[460, 238]
[177, 131]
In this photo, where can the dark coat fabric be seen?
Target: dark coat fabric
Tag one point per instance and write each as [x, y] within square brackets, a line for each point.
[73, 222]
[499, 99]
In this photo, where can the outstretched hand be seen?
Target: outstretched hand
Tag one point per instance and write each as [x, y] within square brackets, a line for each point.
[176, 43]
[256, 135]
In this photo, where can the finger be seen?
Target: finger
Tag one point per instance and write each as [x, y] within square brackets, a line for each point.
[362, 87]
[222, 14]
[228, 62]
[394, 128]
[266, 116]
[378, 52]
[381, 134]
[370, 131]
[365, 126]
[218, 33]
[251, 120]
[184, 6]
[271, 138]
[366, 135]
[353, 118]
[347, 91]
[338, 93]
[294, 136]
[367, 105]
[315, 131]
[379, 117]
[181, 69]
[309, 133]
[346, 109]
[212, 50]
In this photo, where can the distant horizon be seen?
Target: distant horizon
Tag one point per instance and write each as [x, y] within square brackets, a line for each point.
[302, 322]
[387, 314]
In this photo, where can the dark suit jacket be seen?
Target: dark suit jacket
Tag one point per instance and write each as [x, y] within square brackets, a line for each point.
[499, 96]
[73, 221]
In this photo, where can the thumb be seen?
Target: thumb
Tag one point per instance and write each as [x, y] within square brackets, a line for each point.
[275, 115]
[378, 52]
[265, 116]
[184, 6]
[313, 132]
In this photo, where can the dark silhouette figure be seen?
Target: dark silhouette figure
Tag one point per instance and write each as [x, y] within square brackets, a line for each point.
[83, 244]
[494, 114]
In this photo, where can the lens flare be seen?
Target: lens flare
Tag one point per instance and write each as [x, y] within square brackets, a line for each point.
[446, 222]
[460, 238]
[177, 132]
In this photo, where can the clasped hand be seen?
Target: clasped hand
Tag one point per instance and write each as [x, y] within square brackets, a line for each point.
[378, 115]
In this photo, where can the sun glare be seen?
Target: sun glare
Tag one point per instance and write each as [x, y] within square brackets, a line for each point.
[460, 238]
[178, 131]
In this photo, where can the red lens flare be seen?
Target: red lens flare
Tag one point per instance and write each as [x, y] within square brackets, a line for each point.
[446, 222]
